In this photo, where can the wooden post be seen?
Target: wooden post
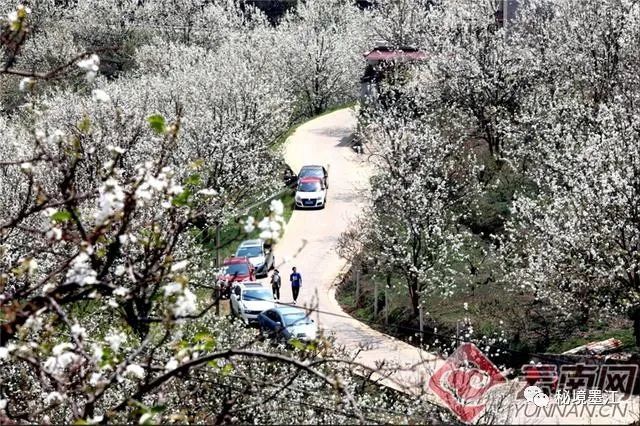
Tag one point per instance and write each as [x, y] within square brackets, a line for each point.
[421, 323]
[216, 294]
[356, 272]
[375, 298]
[386, 305]
[386, 300]
[218, 262]
[458, 332]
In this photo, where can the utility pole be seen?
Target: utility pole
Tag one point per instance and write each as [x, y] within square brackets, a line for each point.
[357, 279]
[421, 323]
[375, 298]
[218, 262]
[386, 301]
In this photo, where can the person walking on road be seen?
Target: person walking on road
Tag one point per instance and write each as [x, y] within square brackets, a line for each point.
[296, 282]
[275, 284]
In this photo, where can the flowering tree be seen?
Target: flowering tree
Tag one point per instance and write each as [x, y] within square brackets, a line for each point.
[548, 107]
[324, 42]
[412, 228]
[104, 285]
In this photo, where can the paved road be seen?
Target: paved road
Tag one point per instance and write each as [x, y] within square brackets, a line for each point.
[309, 243]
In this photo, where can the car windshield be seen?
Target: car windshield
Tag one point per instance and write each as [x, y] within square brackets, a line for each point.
[315, 172]
[309, 187]
[296, 319]
[251, 251]
[257, 294]
[237, 268]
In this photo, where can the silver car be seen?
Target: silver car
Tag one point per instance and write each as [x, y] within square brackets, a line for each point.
[260, 255]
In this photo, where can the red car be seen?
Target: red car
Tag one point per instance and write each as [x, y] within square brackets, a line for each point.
[235, 269]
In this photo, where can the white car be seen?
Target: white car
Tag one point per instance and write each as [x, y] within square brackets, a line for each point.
[311, 193]
[249, 299]
[259, 254]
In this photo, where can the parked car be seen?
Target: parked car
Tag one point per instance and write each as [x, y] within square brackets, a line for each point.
[259, 254]
[289, 178]
[314, 171]
[287, 323]
[234, 269]
[249, 299]
[311, 193]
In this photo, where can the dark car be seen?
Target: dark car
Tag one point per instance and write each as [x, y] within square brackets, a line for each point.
[287, 323]
[235, 269]
[314, 171]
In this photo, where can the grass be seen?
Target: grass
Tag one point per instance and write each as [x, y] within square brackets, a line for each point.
[233, 233]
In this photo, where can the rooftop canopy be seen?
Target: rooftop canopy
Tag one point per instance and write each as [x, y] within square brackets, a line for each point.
[384, 53]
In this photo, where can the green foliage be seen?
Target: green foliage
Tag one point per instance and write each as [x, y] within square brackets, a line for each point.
[61, 216]
[158, 123]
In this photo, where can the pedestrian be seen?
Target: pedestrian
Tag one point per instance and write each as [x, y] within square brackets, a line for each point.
[296, 282]
[275, 284]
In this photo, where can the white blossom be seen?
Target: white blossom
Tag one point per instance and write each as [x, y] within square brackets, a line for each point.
[172, 288]
[100, 95]
[115, 340]
[53, 398]
[135, 370]
[179, 266]
[172, 364]
[78, 331]
[121, 291]
[81, 272]
[185, 304]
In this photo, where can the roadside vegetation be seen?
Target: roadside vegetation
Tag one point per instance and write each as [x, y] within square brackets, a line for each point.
[506, 192]
[129, 130]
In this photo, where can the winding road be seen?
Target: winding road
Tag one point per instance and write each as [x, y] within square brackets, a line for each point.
[309, 243]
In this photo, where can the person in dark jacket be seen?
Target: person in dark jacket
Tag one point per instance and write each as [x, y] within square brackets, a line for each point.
[275, 284]
[296, 283]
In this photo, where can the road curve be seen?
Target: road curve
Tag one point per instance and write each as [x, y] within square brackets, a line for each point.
[310, 239]
[309, 243]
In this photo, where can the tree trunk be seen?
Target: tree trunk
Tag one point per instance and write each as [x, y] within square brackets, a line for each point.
[414, 295]
[634, 315]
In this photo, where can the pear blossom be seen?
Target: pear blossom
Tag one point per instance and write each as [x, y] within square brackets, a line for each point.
[53, 398]
[115, 340]
[100, 95]
[179, 266]
[78, 331]
[26, 84]
[172, 288]
[121, 291]
[172, 364]
[185, 304]
[135, 370]
[249, 225]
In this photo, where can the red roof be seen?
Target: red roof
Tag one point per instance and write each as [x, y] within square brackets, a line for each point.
[377, 55]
